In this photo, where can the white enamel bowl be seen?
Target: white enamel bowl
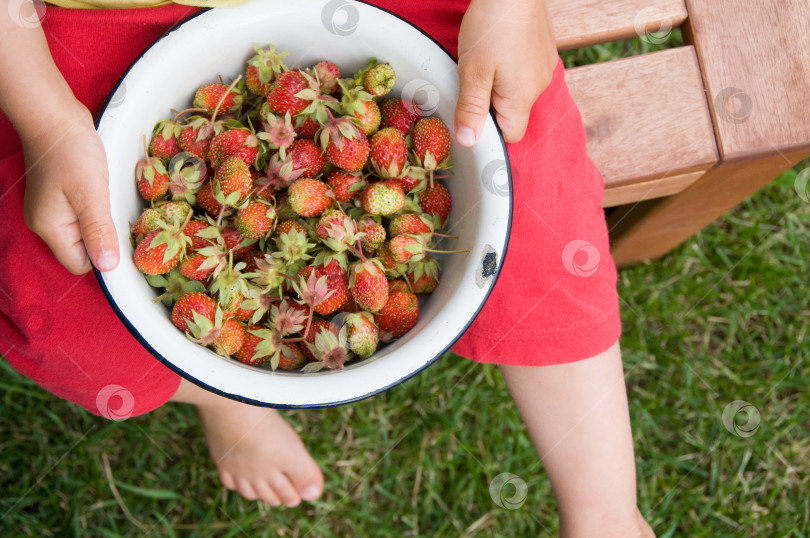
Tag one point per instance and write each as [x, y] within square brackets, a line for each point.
[218, 42]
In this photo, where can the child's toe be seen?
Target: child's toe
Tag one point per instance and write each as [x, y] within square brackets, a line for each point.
[284, 489]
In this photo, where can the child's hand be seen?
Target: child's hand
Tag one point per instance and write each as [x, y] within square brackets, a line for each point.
[67, 200]
[507, 56]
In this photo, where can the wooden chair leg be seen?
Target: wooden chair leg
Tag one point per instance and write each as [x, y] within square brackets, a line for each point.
[651, 229]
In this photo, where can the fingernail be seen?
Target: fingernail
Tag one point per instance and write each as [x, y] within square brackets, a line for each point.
[107, 261]
[465, 136]
[310, 493]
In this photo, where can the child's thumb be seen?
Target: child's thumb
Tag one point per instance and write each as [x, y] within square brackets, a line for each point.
[98, 231]
[473, 101]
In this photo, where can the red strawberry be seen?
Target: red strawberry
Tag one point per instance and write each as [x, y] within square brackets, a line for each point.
[430, 135]
[189, 303]
[232, 181]
[368, 112]
[375, 233]
[383, 198]
[190, 267]
[239, 142]
[263, 68]
[250, 260]
[308, 198]
[399, 315]
[306, 156]
[281, 94]
[368, 285]
[291, 357]
[207, 97]
[306, 127]
[388, 262]
[165, 142]
[423, 276]
[346, 186]
[289, 225]
[406, 247]
[191, 230]
[152, 178]
[159, 252]
[345, 144]
[388, 152]
[328, 75]
[207, 200]
[436, 200]
[337, 280]
[196, 135]
[248, 350]
[234, 242]
[255, 220]
[397, 285]
[409, 223]
[230, 337]
[400, 114]
[409, 181]
[318, 325]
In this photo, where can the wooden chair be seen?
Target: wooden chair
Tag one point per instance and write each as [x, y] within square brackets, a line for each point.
[684, 134]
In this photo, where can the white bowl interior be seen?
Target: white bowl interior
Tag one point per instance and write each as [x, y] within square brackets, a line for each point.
[218, 42]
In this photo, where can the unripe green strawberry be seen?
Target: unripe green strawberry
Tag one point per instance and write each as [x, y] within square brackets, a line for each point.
[255, 220]
[368, 285]
[388, 152]
[400, 114]
[362, 334]
[346, 186]
[184, 308]
[383, 198]
[379, 79]
[399, 315]
[148, 221]
[281, 94]
[232, 181]
[207, 97]
[308, 197]
[175, 213]
[430, 135]
[436, 200]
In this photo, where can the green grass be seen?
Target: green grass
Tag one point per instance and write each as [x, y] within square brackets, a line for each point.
[722, 318]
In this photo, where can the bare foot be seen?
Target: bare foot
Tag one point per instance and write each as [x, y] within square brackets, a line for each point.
[256, 452]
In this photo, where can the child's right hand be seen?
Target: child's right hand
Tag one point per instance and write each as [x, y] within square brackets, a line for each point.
[67, 200]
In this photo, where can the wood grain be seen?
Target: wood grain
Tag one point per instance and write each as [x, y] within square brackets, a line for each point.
[755, 58]
[645, 116]
[580, 23]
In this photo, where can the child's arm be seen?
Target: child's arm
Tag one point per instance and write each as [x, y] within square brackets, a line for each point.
[66, 194]
[507, 55]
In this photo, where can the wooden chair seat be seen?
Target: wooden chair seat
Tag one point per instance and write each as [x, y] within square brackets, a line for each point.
[683, 135]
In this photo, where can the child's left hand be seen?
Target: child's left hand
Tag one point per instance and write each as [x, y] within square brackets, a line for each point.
[507, 55]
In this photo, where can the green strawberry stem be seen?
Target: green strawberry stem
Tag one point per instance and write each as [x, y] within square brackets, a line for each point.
[186, 111]
[146, 152]
[357, 252]
[222, 99]
[446, 251]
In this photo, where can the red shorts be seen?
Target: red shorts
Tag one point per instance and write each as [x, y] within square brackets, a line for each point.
[555, 300]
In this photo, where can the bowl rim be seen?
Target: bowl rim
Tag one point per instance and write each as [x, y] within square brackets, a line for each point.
[185, 375]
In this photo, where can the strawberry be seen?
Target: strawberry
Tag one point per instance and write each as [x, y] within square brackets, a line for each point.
[392, 268]
[436, 200]
[190, 231]
[430, 136]
[232, 182]
[328, 219]
[362, 334]
[230, 337]
[306, 127]
[388, 152]
[239, 142]
[190, 267]
[346, 186]
[399, 315]
[345, 144]
[165, 142]
[281, 94]
[307, 157]
[247, 354]
[413, 178]
[405, 248]
[175, 213]
[328, 75]
[379, 79]
[423, 276]
[191, 302]
[255, 220]
[368, 285]
[337, 280]
[152, 178]
[263, 68]
[329, 348]
[195, 137]
[308, 197]
[159, 252]
[237, 244]
[397, 285]
[374, 233]
[291, 357]
[400, 114]
[147, 222]
[289, 225]
[410, 223]
[208, 97]
[207, 200]
[318, 326]
[383, 198]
